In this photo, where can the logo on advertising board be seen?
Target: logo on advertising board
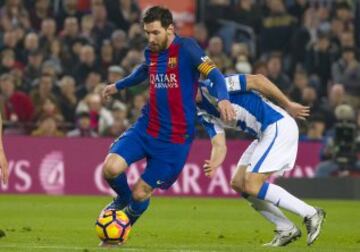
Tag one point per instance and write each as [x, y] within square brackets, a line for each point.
[52, 173]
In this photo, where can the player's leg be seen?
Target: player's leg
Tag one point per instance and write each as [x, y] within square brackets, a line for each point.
[276, 152]
[139, 201]
[269, 211]
[161, 172]
[125, 150]
[114, 173]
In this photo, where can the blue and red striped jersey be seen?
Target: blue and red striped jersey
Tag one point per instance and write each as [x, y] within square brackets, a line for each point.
[173, 74]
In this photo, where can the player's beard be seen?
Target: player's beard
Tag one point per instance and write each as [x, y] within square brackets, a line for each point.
[160, 46]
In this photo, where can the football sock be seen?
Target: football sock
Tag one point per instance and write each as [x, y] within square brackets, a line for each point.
[281, 198]
[135, 209]
[121, 187]
[270, 212]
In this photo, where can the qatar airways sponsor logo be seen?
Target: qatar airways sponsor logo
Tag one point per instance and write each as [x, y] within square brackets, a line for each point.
[19, 177]
[52, 173]
[164, 80]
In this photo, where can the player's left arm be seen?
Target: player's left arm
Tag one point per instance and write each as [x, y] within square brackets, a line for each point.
[218, 146]
[3, 160]
[263, 85]
[206, 67]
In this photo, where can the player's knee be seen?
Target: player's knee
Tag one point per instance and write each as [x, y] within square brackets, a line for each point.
[237, 185]
[139, 194]
[251, 187]
[113, 166]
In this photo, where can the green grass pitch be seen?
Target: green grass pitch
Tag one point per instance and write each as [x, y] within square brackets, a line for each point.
[53, 223]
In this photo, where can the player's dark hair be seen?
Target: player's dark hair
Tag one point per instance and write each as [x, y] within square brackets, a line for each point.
[158, 13]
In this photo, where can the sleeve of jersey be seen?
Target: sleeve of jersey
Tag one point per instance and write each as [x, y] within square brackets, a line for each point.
[139, 75]
[212, 129]
[236, 83]
[207, 67]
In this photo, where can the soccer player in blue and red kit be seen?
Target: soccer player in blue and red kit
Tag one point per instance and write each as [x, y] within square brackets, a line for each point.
[165, 131]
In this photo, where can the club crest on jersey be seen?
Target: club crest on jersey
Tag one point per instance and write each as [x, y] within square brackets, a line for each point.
[172, 63]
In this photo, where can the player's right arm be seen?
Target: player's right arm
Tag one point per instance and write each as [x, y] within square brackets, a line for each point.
[208, 69]
[218, 146]
[139, 75]
[3, 160]
[264, 86]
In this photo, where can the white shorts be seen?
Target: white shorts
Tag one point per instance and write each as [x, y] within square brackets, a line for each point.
[276, 149]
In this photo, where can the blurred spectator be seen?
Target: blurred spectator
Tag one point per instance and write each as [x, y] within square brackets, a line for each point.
[100, 118]
[87, 28]
[303, 36]
[347, 39]
[41, 11]
[83, 127]
[136, 37]
[87, 64]
[93, 79]
[48, 34]
[70, 38]
[102, 27]
[7, 61]
[67, 98]
[47, 127]
[123, 13]
[316, 128]
[106, 56]
[119, 43]
[260, 67]
[15, 13]
[309, 98]
[246, 13]
[277, 28]
[318, 60]
[17, 106]
[344, 13]
[201, 35]
[216, 53]
[132, 59]
[50, 108]
[215, 10]
[33, 69]
[300, 82]
[55, 56]
[121, 123]
[42, 93]
[336, 97]
[299, 8]
[347, 71]
[276, 74]
[9, 40]
[31, 43]
[68, 9]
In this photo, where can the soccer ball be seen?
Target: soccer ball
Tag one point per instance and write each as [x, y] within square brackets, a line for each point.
[113, 227]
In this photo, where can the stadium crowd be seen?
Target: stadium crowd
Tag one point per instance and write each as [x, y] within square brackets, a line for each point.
[57, 56]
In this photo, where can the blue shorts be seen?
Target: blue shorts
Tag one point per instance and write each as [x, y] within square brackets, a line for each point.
[165, 160]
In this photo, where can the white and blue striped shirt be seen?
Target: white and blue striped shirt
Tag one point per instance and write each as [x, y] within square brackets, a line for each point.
[253, 112]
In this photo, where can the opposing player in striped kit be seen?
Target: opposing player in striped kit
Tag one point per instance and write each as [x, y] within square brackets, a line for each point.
[272, 152]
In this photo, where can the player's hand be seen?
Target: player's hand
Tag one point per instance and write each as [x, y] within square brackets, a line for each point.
[209, 168]
[108, 91]
[226, 110]
[298, 111]
[4, 168]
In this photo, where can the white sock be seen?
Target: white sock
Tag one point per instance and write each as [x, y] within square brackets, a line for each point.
[281, 198]
[271, 213]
